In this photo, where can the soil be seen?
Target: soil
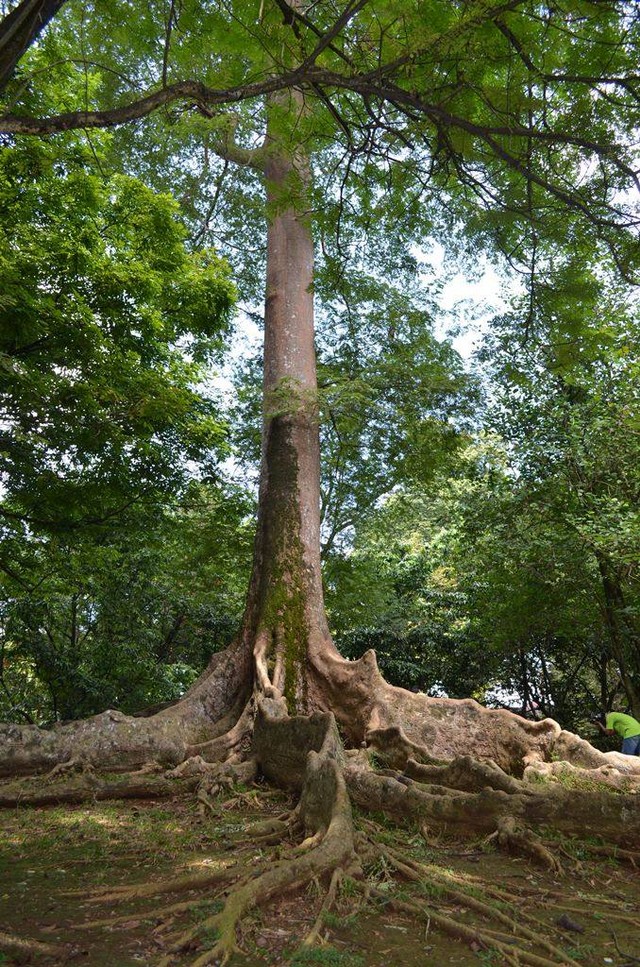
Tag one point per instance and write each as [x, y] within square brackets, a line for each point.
[51, 859]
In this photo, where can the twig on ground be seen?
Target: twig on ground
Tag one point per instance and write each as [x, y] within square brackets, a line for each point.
[622, 953]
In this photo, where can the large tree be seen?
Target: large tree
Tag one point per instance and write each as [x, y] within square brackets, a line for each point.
[510, 115]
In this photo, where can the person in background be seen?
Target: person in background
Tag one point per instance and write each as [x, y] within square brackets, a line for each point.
[628, 728]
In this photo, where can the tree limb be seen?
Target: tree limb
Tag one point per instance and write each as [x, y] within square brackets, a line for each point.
[191, 91]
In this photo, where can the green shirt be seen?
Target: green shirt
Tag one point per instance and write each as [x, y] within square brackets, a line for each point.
[624, 725]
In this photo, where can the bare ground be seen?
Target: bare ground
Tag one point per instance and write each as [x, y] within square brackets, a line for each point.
[54, 859]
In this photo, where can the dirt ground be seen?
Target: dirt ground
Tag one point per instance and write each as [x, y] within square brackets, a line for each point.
[53, 859]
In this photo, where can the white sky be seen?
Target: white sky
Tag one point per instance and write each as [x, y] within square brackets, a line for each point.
[466, 307]
[466, 304]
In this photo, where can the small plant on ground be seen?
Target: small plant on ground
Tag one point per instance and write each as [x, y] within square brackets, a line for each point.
[327, 957]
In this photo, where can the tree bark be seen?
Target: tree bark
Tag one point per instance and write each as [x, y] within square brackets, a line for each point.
[19, 29]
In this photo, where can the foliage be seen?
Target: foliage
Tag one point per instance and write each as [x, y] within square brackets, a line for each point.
[127, 619]
[106, 320]
[467, 590]
[394, 401]
[327, 955]
[398, 592]
[567, 405]
[98, 402]
[393, 398]
[514, 578]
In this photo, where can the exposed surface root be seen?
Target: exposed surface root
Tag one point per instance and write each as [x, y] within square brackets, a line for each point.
[316, 840]
[64, 768]
[271, 832]
[328, 902]
[26, 949]
[613, 852]
[316, 843]
[282, 877]
[322, 818]
[90, 787]
[618, 775]
[157, 913]
[113, 740]
[630, 958]
[572, 811]
[512, 954]
[214, 720]
[175, 884]
[393, 747]
[324, 813]
[464, 773]
[232, 744]
[221, 778]
[428, 877]
[516, 839]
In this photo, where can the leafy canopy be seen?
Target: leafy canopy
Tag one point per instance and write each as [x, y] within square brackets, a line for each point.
[104, 320]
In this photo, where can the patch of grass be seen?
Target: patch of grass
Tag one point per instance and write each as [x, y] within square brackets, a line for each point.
[335, 921]
[575, 850]
[326, 956]
[487, 846]
[349, 887]
[570, 780]
[433, 890]
[388, 837]
[583, 952]
[537, 778]
[313, 889]
[575, 780]
[206, 910]
[209, 935]
[378, 818]
[376, 761]
[488, 956]
[377, 870]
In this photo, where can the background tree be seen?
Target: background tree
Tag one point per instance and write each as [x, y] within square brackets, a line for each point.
[567, 407]
[126, 616]
[100, 420]
[533, 534]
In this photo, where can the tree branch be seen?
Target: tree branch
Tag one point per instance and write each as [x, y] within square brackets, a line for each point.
[327, 39]
[293, 16]
[226, 147]
[191, 91]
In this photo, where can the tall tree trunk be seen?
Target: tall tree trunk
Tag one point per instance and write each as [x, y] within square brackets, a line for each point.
[285, 613]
